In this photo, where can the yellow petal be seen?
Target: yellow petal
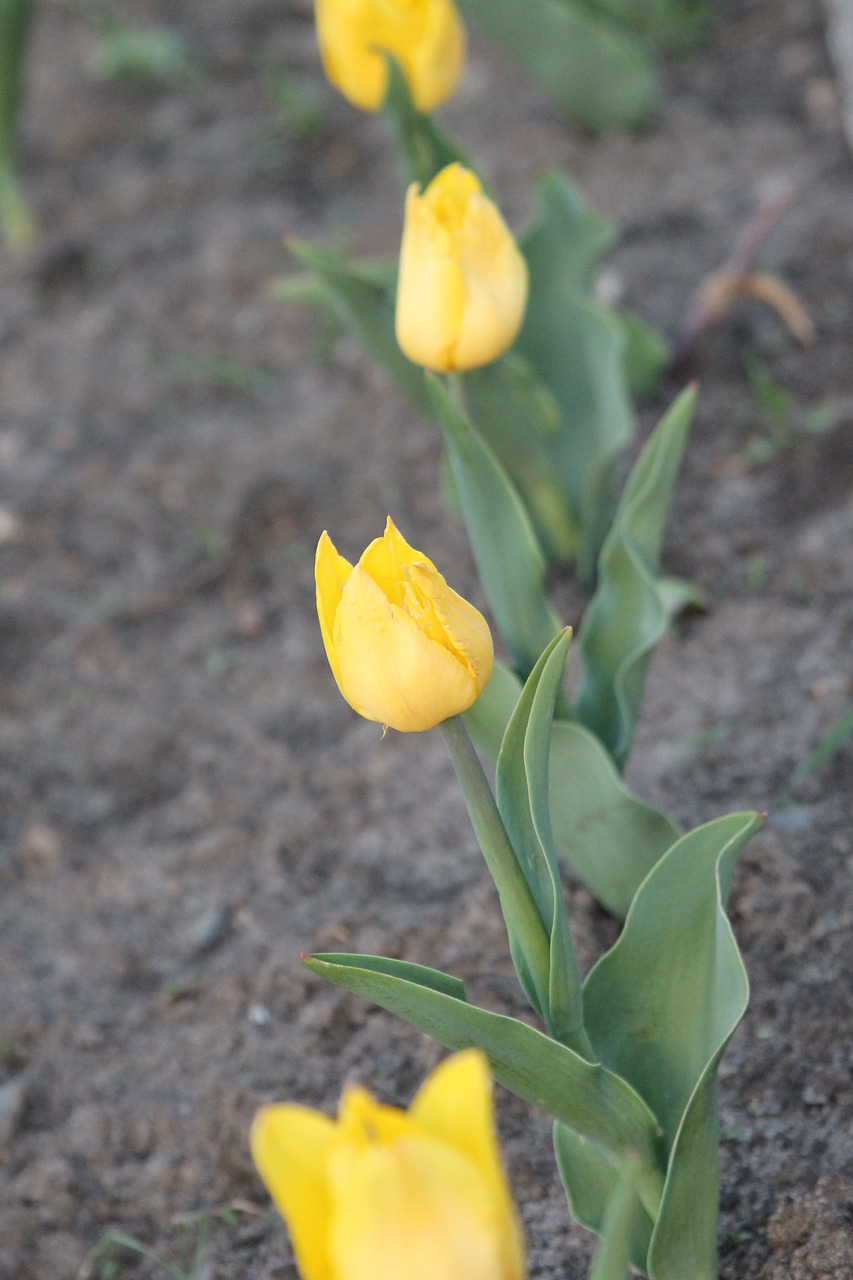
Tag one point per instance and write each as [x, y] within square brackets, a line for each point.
[495, 283]
[291, 1147]
[454, 1105]
[464, 629]
[430, 288]
[426, 37]
[390, 671]
[462, 284]
[433, 64]
[388, 559]
[362, 1120]
[416, 1210]
[331, 572]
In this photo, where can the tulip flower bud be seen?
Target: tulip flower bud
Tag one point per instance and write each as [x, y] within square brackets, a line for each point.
[405, 649]
[462, 287]
[417, 1195]
[426, 37]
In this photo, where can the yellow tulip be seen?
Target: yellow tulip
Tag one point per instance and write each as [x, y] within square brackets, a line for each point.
[462, 287]
[426, 37]
[386, 1194]
[405, 649]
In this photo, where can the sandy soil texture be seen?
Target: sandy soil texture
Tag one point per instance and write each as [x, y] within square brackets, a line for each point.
[185, 801]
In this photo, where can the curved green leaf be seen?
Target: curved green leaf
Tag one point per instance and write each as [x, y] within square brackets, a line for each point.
[486, 720]
[577, 348]
[673, 21]
[618, 1230]
[508, 556]
[647, 354]
[590, 1177]
[609, 836]
[519, 418]
[629, 612]
[600, 74]
[660, 1008]
[364, 301]
[522, 796]
[583, 1095]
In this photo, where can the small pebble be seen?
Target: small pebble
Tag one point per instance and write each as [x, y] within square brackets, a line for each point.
[13, 1101]
[40, 845]
[259, 1015]
[10, 526]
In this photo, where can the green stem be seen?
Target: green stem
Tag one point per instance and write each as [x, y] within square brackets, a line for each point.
[16, 224]
[613, 1256]
[520, 911]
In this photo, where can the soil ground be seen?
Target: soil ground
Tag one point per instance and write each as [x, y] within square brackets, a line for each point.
[185, 801]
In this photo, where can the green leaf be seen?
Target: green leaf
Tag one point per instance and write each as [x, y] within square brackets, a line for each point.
[629, 612]
[520, 420]
[508, 556]
[660, 1008]
[522, 794]
[618, 1229]
[583, 1095]
[487, 719]
[646, 354]
[15, 27]
[577, 348]
[424, 150]
[673, 21]
[364, 300]
[419, 974]
[608, 835]
[597, 72]
[591, 1179]
[527, 932]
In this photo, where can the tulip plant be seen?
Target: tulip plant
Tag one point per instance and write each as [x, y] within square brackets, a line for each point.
[625, 1061]
[528, 379]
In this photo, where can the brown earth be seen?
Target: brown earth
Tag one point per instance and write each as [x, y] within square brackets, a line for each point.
[185, 801]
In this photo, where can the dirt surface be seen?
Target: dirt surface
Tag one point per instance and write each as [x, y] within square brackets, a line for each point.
[185, 801]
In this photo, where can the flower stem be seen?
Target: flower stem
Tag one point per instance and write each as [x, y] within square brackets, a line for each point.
[521, 913]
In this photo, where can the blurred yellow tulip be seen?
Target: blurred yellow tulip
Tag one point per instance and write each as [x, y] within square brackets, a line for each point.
[426, 37]
[405, 649]
[386, 1194]
[462, 287]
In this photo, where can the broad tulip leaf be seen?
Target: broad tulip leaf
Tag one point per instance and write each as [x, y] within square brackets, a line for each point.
[425, 151]
[591, 1178]
[646, 354]
[577, 348]
[622, 1216]
[487, 719]
[522, 796]
[508, 556]
[628, 613]
[609, 836]
[673, 21]
[660, 1008]
[520, 419]
[583, 1095]
[599, 73]
[420, 974]
[364, 301]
